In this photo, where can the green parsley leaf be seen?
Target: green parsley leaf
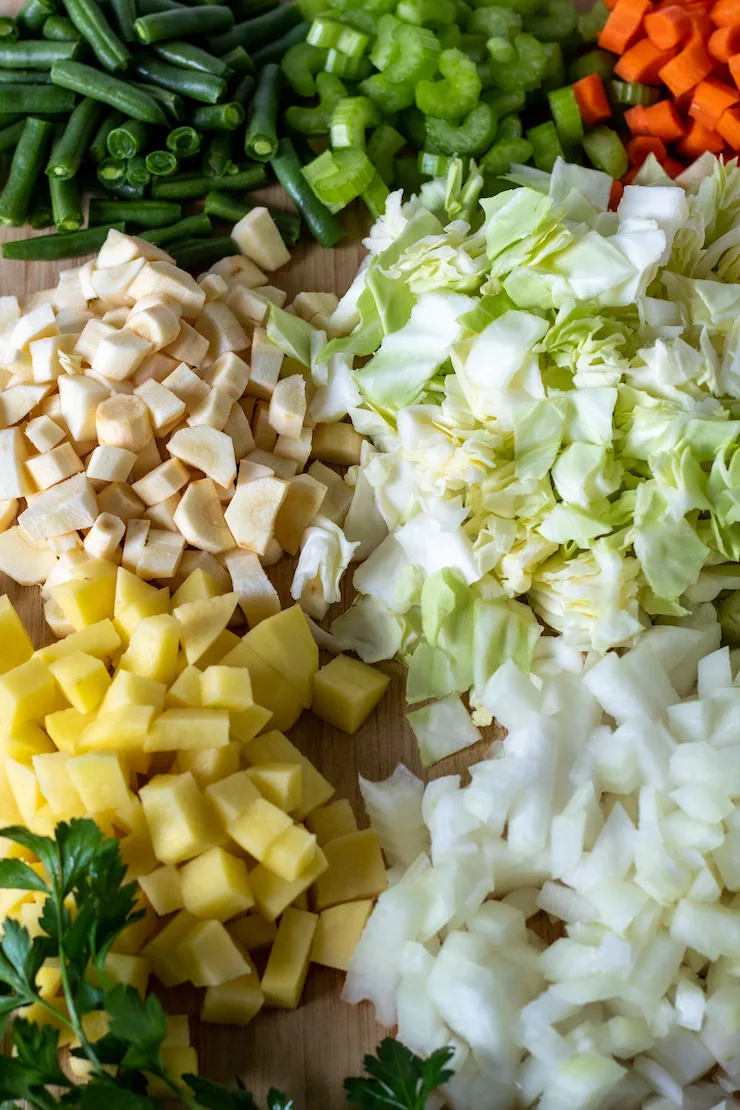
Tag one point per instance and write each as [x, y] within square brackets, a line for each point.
[110, 1096]
[42, 846]
[140, 1024]
[78, 843]
[217, 1096]
[37, 1047]
[16, 875]
[398, 1078]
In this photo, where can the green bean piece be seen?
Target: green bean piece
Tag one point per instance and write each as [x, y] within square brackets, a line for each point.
[473, 136]
[218, 157]
[224, 207]
[72, 147]
[150, 7]
[192, 227]
[41, 214]
[261, 140]
[123, 95]
[212, 20]
[244, 90]
[24, 77]
[95, 28]
[137, 171]
[382, 147]
[189, 186]
[124, 190]
[239, 61]
[187, 56]
[10, 136]
[218, 117]
[66, 203]
[171, 104]
[184, 142]
[58, 28]
[111, 169]
[199, 254]
[324, 227]
[204, 87]
[99, 146]
[124, 12]
[27, 164]
[161, 163]
[128, 139]
[36, 53]
[249, 9]
[274, 52]
[33, 15]
[300, 64]
[9, 118]
[257, 32]
[51, 248]
[144, 213]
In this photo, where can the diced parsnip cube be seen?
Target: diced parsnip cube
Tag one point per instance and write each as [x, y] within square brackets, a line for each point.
[128, 688]
[214, 287]
[190, 347]
[237, 266]
[56, 785]
[119, 499]
[201, 622]
[356, 870]
[274, 747]
[152, 650]
[209, 765]
[258, 826]
[27, 693]
[116, 316]
[119, 248]
[193, 560]
[307, 305]
[251, 513]
[119, 355]
[251, 471]
[215, 885]
[288, 406]
[338, 933]
[239, 431]
[162, 515]
[104, 538]
[232, 796]
[54, 466]
[290, 853]
[91, 335]
[85, 601]
[163, 888]
[258, 598]
[346, 691]
[23, 563]
[163, 279]
[297, 450]
[230, 374]
[248, 305]
[226, 688]
[220, 328]
[302, 502]
[155, 367]
[14, 479]
[8, 513]
[263, 433]
[179, 820]
[188, 729]
[186, 386]
[165, 408]
[259, 239]
[162, 482]
[285, 642]
[110, 464]
[123, 421]
[99, 780]
[161, 555]
[36, 324]
[213, 411]
[280, 466]
[236, 1002]
[83, 680]
[16, 401]
[329, 822]
[266, 361]
[137, 853]
[111, 283]
[158, 324]
[337, 443]
[43, 433]
[163, 950]
[210, 957]
[253, 932]
[134, 543]
[121, 729]
[279, 783]
[79, 399]
[15, 643]
[206, 449]
[287, 966]
[185, 690]
[61, 545]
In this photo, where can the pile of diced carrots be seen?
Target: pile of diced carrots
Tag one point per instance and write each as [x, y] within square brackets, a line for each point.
[691, 47]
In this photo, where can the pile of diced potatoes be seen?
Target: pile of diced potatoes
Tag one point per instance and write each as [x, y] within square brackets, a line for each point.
[168, 729]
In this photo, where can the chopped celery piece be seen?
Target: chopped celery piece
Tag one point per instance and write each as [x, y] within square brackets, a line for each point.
[499, 158]
[389, 96]
[375, 196]
[413, 124]
[620, 92]
[449, 37]
[554, 76]
[546, 147]
[510, 127]
[350, 119]
[474, 46]
[605, 149]
[495, 22]
[527, 71]
[352, 42]
[408, 176]
[456, 94]
[592, 22]
[324, 32]
[566, 115]
[596, 61]
[341, 65]
[554, 22]
[337, 177]
[413, 56]
[300, 65]
[503, 103]
[382, 147]
[473, 136]
[316, 121]
[435, 165]
[384, 47]
[426, 13]
[361, 21]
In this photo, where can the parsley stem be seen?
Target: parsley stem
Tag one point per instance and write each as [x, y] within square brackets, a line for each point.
[181, 1093]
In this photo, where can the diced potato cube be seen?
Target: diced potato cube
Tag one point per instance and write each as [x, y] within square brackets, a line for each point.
[285, 642]
[226, 688]
[27, 693]
[233, 1003]
[49, 978]
[25, 789]
[274, 747]
[99, 780]
[280, 783]
[178, 1061]
[209, 765]
[152, 650]
[184, 693]
[285, 974]
[128, 688]
[83, 680]
[25, 741]
[134, 937]
[221, 646]
[329, 822]
[215, 885]
[198, 586]
[15, 643]
[269, 688]
[57, 786]
[246, 725]
[272, 895]
[129, 618]
[66, 726]
[138, 855]
[232, 796]
[338, 932]
[290, 853]
[163, 888]
[201, 622]
[345, 692]
[99, 639]
[256, 828]
[132, 971]
[85, 601]
[253, 932]
[356, 870]
[188, 730]
[163, 951]
[180, 823]
[178, 1031]
[124, 728]
[210, 956]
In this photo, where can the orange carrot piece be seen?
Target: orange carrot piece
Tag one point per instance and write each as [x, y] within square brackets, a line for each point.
[701, 20]
[635, 120]
[711, 98]
[668, 27]
[729, 127]
[641, 146]
[642, 63]
[591, 99]
[662, 121]
[630, 176]
[725, 42]
[734, 66]
[672, 167]
[688, 68]
[725, 13]
[610, 4]
[700, 139]
[615, 195]
[624, 24]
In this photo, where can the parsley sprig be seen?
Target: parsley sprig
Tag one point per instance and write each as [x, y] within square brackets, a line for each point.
[87, 906]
